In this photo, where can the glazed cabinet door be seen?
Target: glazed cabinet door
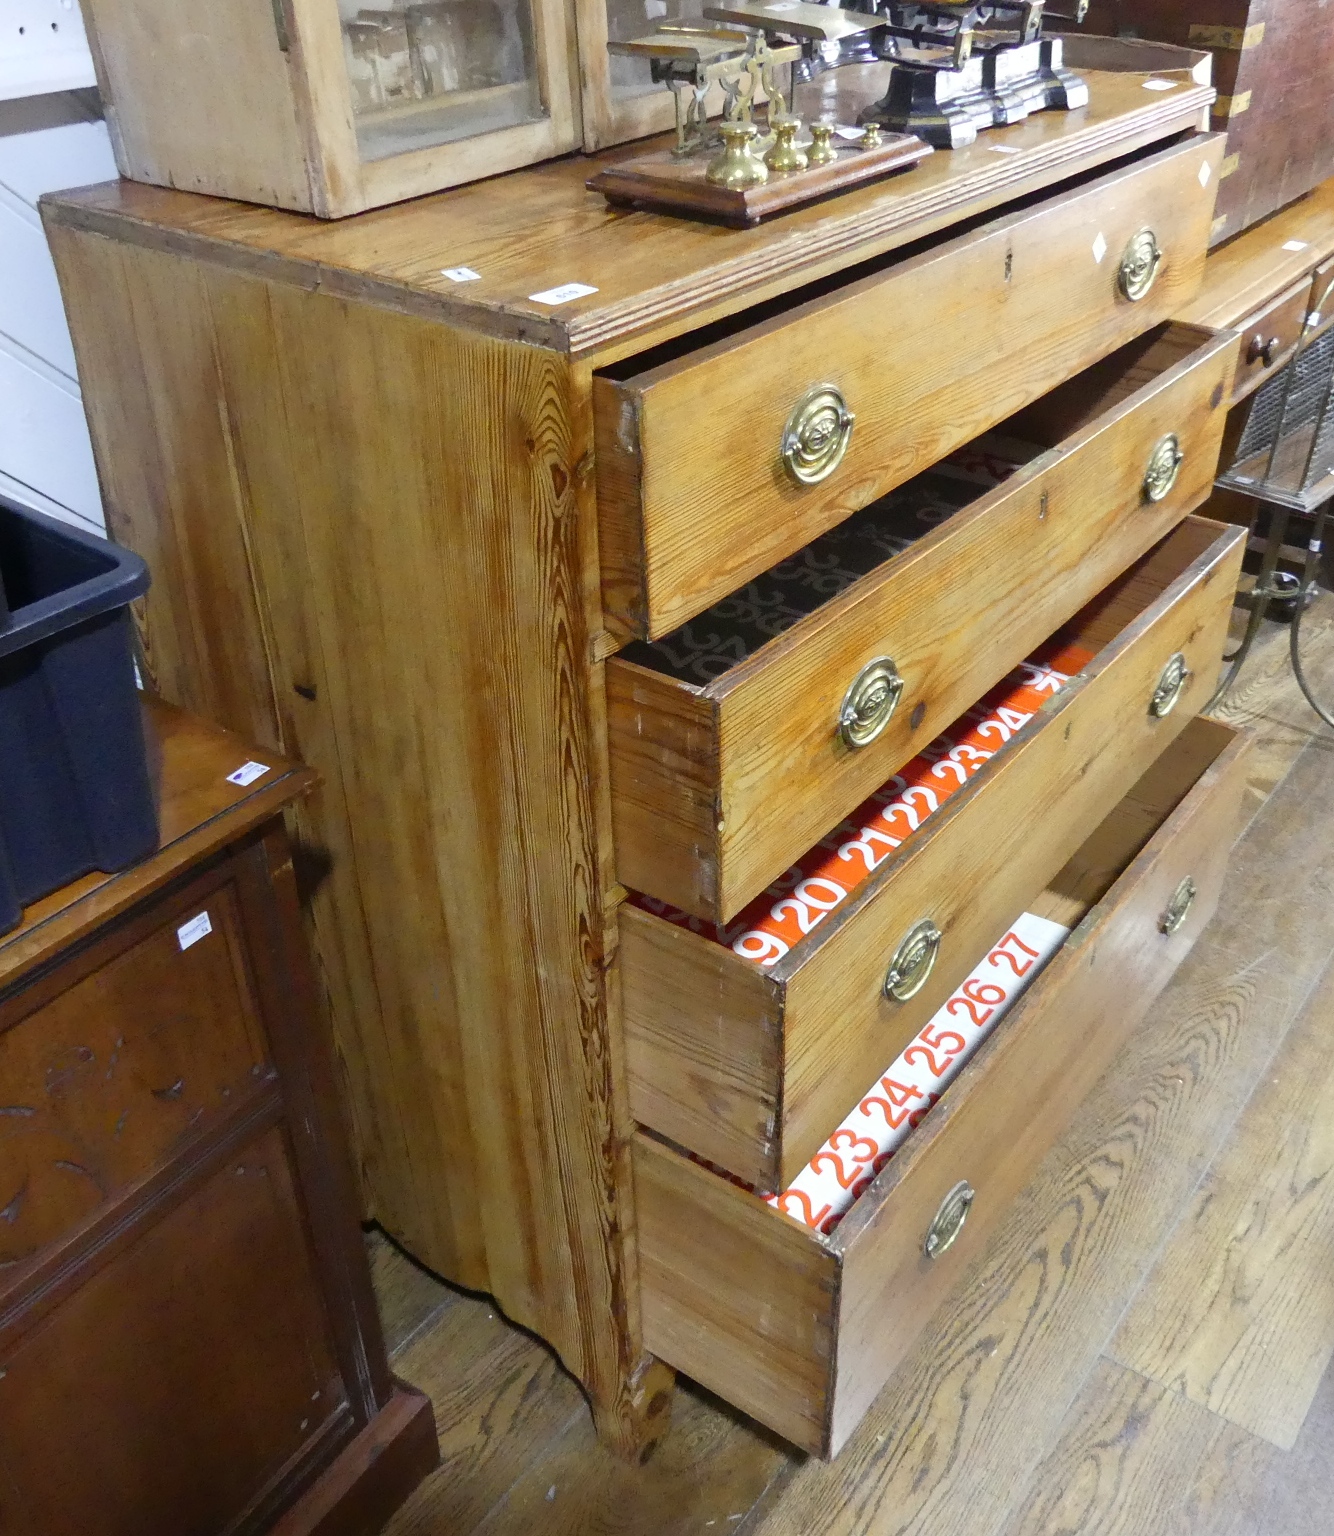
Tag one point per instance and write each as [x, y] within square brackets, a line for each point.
[333, 106]
[437, 92]
[620, 100]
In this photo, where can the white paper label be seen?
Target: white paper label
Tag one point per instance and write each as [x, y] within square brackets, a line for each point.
[1160, 85]
[191, 933]
[1205, 174]
[845, 132]
[562, 295]
[1313, 319]
[461, 274]
[1005, 149]
[247, 773]
[1295, 245]
[894, 1106]
[1100, 248]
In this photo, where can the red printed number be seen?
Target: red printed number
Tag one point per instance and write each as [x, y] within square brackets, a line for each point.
[1020, 967]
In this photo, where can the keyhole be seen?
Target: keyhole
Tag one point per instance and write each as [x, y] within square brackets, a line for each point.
[1009, 265]
[1042, 508]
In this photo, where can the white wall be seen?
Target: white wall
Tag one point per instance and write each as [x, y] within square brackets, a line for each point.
[47, 142]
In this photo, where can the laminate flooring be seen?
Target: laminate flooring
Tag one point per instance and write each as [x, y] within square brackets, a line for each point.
[1143, 1350]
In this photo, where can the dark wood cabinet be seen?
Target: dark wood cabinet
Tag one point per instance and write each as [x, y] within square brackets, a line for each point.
[1273, 63]
[188, 1341]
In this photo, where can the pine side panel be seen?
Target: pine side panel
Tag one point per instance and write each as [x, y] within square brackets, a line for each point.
[407, 553]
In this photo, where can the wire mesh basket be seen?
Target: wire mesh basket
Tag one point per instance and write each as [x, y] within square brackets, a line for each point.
[1286, 452]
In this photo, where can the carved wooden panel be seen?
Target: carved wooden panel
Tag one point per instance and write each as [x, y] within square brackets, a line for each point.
[162, 1396]
[103, 1082]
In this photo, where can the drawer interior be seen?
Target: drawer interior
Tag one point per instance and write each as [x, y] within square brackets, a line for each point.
[745, 1040]
[801, 1329]
[707, 654]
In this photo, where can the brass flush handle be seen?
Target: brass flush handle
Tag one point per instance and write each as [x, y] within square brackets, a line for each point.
[1139, 266]
[1171, 685]
[870, 702]
[1178, 909]
[1262, 351]
[913, 961]
[817, 434]
[1164, 466]
[949, 1219]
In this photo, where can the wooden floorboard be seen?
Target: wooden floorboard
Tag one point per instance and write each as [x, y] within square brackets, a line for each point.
[1238, 1313]
[1133, 1460]
[1007, 1380]
[1266, 697]
[409, 1296]
[707, 1475]
[501, 1399]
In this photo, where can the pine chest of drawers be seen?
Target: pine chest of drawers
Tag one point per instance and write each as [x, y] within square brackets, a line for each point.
[605, 583]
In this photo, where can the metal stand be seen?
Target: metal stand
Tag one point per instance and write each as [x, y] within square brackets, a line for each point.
[1285, 461]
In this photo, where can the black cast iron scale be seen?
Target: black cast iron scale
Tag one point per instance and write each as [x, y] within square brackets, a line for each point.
[960, 66]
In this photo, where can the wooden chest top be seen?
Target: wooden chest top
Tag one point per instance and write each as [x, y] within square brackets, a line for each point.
[649, 276]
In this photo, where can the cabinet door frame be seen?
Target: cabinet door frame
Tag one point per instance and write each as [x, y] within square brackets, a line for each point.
[343, 183]
[608, 122]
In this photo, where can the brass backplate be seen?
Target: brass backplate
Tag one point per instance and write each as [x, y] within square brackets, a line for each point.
[949, 1219]
[1171, 685]
[913, 961]
[869, 704]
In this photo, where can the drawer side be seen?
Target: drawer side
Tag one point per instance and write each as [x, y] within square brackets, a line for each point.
[703, 1037]
[739, 1298]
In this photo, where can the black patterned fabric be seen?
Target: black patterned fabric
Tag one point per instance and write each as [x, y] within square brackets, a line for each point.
[735, 628]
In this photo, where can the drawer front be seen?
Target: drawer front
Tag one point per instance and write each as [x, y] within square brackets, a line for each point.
[801, 1332]
[715, 465]
[143, 1044]
[1267, 339]
[696, 772]
[750, 1068]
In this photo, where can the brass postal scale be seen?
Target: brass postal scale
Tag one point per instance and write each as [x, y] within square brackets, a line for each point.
[958, 66]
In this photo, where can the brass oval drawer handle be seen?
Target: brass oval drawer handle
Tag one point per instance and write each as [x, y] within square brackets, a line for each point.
[1262, 351]
[1164, 467]
[1171, 685]
[913, 961]
[1139, 266]
[817, 434]
[1178, 909]
[949, 1219]
[869, 704]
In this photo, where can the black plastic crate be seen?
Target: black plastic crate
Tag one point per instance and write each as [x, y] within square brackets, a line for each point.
[75, 791]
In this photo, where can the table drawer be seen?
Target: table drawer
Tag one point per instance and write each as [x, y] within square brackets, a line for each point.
[800, 1330]
[697, 767]
[1268, 338]
[751, 1066]
[717, 460]
[112, 1061]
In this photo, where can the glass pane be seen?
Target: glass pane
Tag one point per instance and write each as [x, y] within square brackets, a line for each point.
[628, 19]
[427, 72]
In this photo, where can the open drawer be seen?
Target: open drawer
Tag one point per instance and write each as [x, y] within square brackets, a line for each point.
[722, 453]
[715, 725]
[801, 1331]
[750, 1062]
